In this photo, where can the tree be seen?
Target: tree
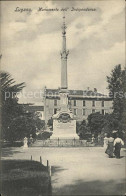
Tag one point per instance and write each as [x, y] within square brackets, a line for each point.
[96, 123]
[100, 124]
[10, 108]
[117, 90]
[110, 123]
[23, 126]
[82, 129]
[16, 121]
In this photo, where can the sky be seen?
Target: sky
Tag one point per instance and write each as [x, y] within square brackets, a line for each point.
[31, 43]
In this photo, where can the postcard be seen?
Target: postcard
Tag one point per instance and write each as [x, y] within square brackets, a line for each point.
[63, 98]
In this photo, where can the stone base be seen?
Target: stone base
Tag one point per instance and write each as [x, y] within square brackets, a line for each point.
[63, 130]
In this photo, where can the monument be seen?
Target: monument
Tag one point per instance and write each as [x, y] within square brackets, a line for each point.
[64, 122]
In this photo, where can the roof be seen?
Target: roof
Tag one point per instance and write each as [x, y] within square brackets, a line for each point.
[32, 107]
[76, 93]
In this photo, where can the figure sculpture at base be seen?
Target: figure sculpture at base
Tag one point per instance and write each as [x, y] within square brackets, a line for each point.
[25, 142]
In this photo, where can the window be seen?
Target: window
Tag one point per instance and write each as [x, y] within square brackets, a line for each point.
[93, 111]
[84, 103]
[74, 102]
[55, 110]
[93, 103]
[103, 112]
[83, 112]
[75, 111]
[102, 103]
[55, 102]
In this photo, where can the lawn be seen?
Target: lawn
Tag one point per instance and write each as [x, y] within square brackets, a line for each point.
[24, 178]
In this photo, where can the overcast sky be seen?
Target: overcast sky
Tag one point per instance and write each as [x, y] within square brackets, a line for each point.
[31, 43]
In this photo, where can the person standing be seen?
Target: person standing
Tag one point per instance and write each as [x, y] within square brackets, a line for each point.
[118, 143]
[105, 141]
[110, 148]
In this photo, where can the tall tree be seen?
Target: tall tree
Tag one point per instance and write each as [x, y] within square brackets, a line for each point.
[117, 90]
[10, 108]
[16, 121]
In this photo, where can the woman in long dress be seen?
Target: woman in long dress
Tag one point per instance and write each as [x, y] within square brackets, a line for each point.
[118, 143]
[110, 148]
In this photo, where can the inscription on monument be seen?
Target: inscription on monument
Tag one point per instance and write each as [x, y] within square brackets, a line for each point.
[64, 130]
[61, 125]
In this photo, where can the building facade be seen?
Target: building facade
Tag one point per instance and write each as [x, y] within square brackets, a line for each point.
[81, 103]
[39, 109]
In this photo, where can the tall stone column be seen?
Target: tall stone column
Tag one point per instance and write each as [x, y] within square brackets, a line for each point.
[64, 54]
[64, 123]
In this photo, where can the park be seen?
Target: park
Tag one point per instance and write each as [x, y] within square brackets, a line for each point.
[74, 171]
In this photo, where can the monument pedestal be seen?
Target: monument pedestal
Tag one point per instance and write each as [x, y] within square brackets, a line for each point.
[64, 125]
[64, 122]
[65, 130]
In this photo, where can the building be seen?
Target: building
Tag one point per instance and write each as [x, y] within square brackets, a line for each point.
[81, 103]
[39, 109]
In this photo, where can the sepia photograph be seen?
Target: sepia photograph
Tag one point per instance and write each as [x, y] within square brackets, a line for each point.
[63, 98]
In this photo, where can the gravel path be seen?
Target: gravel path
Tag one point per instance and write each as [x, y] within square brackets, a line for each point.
[78, 171]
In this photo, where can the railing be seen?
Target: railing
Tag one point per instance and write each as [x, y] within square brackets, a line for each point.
[62, 143]
[48, 166]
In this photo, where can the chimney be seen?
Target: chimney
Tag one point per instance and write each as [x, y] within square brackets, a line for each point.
[88, 88]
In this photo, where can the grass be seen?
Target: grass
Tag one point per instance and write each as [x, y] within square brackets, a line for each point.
[24, 178]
